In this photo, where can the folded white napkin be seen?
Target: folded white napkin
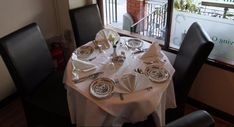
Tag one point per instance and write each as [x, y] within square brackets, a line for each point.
[82, 65]
[153, 52]
[106, 36]
[129, 83]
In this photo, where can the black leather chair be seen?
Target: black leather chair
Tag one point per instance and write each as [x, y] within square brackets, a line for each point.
[198, 118]
[86, 22]
[40, 87]
[193, 52]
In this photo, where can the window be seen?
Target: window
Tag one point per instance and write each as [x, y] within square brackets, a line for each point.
[216, 17]
[153, 18]
[145, 17]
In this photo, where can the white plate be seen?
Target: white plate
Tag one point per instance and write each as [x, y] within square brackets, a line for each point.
[156, 73]
[107, 34]
[84, 52]
[134, 43]
[102, 87]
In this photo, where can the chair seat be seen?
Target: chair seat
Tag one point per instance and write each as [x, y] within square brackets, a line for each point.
[49, 103]
[51, 96]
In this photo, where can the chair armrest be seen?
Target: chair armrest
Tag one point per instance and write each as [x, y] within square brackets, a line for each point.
[198, 118]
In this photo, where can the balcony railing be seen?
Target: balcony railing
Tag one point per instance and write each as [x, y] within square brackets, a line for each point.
[110, 11]
[154, 23]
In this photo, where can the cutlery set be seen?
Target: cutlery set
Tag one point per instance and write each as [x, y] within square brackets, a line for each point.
[138, 70]
[91, 76]
[140, 50]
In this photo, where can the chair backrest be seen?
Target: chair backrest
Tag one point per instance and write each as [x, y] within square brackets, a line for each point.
[199, 118]
[193, 52]
[127, 22]
[27, 58]
[86, 22]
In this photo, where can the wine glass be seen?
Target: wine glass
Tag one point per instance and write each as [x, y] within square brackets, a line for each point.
[133, 44]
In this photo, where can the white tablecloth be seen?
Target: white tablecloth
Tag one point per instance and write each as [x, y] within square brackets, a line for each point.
[86, 110]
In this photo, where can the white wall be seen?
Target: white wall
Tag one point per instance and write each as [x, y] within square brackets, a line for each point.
[15, 14]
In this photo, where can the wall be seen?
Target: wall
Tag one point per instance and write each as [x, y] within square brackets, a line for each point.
[15, 14]
[6, 84]
[215, 87]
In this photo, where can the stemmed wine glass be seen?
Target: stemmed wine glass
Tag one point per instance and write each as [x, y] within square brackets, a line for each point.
[133, 44]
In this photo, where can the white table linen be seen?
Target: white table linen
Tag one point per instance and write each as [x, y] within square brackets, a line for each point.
[86, 110]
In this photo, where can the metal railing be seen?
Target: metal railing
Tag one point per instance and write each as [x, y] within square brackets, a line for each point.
[154, 23]
[217, 12]
[110, 9]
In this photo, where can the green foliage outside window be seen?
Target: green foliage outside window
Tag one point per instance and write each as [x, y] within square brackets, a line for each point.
[187, 5]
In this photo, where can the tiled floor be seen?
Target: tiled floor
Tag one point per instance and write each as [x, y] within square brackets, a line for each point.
[12, 115]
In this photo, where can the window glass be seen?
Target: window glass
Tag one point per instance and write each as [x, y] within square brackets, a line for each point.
[215, 16]
[144, 17]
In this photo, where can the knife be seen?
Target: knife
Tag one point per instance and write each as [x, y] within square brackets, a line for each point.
[94, 75]
[140, 51]
[137, 52]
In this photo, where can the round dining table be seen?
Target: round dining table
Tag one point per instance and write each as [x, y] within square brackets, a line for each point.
[119, 107]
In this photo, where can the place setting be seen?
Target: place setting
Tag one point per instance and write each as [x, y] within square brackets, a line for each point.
[82, 63]
[153, 64]
[103, 87]
[153, 55]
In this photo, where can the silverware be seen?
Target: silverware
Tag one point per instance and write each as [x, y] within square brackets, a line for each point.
[138, 52]
[92, 58]
[138, 70]
[149, 88]
[91, 76]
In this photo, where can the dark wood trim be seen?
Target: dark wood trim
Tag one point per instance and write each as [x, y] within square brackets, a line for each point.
[216, 112]
[100, 5]
[168, 26]
[131, 34]
[219, 64]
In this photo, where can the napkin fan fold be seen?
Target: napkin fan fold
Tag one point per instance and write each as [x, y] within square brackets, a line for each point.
[153, 51]
[82, 65]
